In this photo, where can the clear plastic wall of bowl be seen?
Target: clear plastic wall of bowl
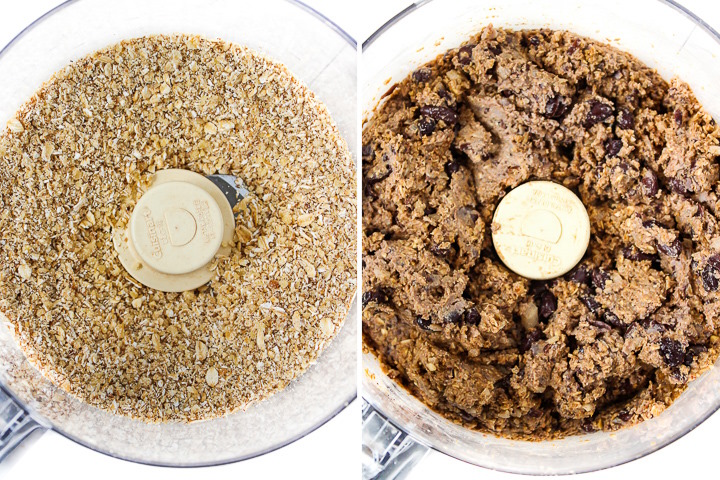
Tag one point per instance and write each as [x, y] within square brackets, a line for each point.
[319, 54]
[659, 33]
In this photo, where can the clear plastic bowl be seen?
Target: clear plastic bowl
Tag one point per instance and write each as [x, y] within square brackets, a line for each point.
[666, 37]
[317, 52]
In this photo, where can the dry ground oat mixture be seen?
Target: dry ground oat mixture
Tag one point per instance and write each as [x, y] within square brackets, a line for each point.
[611, 343]
[72, 165]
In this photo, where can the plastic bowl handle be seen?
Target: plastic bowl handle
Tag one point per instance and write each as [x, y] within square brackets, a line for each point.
[388, 453]
[16, 424]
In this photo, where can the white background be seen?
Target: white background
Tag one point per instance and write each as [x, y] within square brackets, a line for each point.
[333, 451]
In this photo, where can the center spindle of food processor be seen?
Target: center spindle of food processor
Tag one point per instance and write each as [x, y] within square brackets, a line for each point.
[541, 230]
[175, 231]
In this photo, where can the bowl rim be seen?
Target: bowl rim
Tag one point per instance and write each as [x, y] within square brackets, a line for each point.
[368, 42]
[421, 3]
[45, 423]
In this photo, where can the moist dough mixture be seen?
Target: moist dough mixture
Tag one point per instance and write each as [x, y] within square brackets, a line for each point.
[618, 338]
[73, 164]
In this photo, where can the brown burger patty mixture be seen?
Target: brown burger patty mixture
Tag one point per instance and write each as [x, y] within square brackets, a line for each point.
[611, 343]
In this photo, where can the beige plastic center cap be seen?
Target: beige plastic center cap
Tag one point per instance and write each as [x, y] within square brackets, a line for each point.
[176, 229]
[541, 230]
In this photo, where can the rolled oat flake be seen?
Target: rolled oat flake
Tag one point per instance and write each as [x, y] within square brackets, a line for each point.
[540, 230]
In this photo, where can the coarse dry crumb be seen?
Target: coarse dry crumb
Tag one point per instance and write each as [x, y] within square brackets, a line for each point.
[74, 162]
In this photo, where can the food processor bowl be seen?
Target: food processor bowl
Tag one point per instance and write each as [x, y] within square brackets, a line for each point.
[397, 427]
[319, 54]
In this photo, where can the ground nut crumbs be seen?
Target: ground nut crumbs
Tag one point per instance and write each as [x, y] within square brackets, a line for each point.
[68, 180]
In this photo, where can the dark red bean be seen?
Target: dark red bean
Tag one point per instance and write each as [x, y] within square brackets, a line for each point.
[530, 337]
[538, 286]
[439, 113]
[421, 75]
[709, 276]
[673, 250]
[590, 303]
[693, 352]
[574, 46]
[650, 222]
[451, 167]
[494, 49]
[714, 260]
[598, 112]
[678, 116]
[650, 183]
[547, 304]
[611, 319]
[423, 323]
[442, 93]
[534, 40]
[426, 126]
[613, 146]
[367, 150]
[379, 177]
[600, 325]
[624, 415]
[677, 186]
[556, 106]
[588, 427]
[465, 54]
[453, 316]
[472, 317]
[679, 376]
[625, 119]
[672, 352]
[633, 253]
[378, 295]
[599, 277]
[444, 253]
[579, 275]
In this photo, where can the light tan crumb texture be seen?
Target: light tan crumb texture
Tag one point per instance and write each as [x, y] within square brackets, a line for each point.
[74, 162]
